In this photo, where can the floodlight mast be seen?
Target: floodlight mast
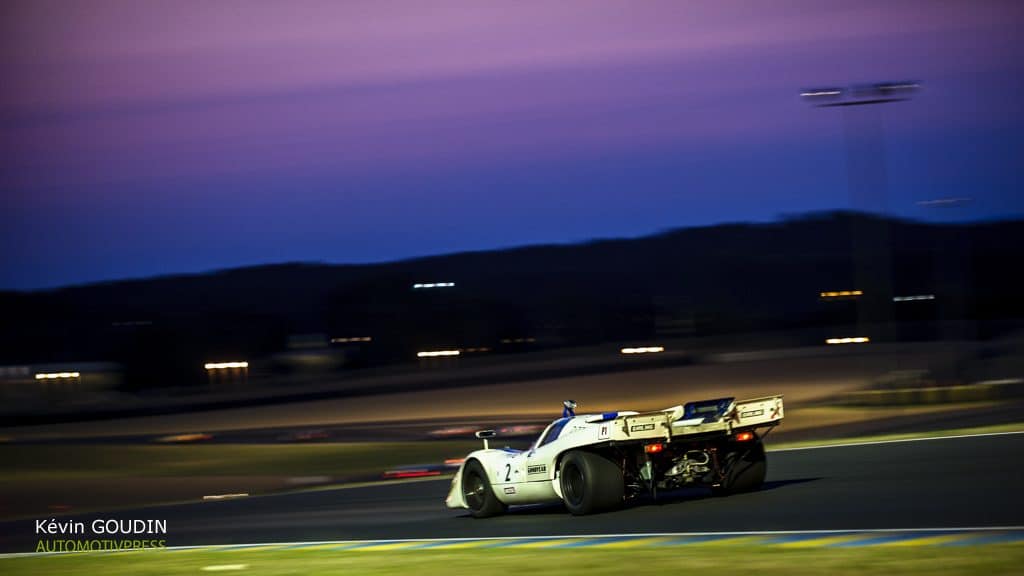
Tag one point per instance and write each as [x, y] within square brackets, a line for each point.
[867, 182]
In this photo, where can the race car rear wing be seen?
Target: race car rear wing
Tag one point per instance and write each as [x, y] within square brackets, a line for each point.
[722, 415]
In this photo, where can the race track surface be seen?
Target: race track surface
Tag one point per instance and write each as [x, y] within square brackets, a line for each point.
[959, 482]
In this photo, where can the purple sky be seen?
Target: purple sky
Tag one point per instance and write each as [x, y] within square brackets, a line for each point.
[158, 137]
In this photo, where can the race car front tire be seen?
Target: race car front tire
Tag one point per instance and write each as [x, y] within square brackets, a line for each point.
[590, 483]
[476, 490]
[745, 469]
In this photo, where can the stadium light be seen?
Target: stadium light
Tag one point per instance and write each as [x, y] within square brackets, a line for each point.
[861, 94]
[913, 298]
[225, 365]
[822, 92]
[854, 340]
[434, 285]
[841, 294]
[643, 350]
[436, 353]
[56, 375]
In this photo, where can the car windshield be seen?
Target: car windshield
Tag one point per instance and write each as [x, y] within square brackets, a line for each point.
[550, 433]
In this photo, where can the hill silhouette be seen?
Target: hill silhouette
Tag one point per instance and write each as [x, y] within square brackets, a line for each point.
[724, 279]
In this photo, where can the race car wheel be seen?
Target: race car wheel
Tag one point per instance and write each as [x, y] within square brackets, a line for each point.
[477, 491]
[590, 483]
[745, 469]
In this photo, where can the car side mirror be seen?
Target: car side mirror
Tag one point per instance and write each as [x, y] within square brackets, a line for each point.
[484, 435]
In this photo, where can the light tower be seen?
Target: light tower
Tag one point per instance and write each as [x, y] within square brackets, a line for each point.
[868, 181]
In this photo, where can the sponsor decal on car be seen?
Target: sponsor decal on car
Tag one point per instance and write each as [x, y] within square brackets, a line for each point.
[510, 490]
[603, 434]
[538, 469]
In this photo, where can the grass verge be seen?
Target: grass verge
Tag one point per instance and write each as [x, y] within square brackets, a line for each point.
[70, 461]
[764, 560]
[60, 478]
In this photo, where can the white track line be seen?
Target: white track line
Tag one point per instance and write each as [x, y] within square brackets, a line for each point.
[895, 441]
[564, 536]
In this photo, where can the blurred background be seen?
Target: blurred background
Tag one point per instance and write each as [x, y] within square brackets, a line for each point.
[253, 246]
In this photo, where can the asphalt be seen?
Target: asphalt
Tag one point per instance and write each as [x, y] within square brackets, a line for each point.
[960, 482]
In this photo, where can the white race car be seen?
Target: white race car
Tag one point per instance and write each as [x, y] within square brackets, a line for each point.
[596, 462]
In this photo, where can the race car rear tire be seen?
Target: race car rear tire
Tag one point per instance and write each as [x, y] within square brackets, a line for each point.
[745, 469]
[590, 483]
[476, 490]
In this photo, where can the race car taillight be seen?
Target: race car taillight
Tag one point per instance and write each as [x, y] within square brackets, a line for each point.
[745, 436]
[653, 448]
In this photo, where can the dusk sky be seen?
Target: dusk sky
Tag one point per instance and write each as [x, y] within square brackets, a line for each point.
[160, 137]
